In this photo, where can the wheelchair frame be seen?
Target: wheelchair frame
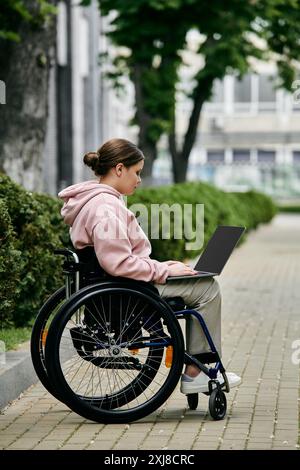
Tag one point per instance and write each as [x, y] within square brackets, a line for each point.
[217, 402]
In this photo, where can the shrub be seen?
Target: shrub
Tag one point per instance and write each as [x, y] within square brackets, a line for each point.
[37, 231]
[220, 208]
[10, 268]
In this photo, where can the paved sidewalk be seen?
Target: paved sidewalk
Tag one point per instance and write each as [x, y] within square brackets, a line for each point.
[261, 305]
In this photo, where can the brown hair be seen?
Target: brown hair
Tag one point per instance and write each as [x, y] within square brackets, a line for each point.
[111, 153]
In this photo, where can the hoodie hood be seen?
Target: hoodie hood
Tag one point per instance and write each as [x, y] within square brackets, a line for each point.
[77, 195]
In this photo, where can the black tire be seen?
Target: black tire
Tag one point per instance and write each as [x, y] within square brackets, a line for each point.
[71, 360]
[193, 400]
[217, 404]
[39, 334]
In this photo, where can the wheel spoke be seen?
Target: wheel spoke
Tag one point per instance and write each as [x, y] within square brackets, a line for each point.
[111, 355]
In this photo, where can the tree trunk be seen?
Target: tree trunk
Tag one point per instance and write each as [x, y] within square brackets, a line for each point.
[180, 159]
[150, 153]
[179, 166]
[25, 70]
[143, 120]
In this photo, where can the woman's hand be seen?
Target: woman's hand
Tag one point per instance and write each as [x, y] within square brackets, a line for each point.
[180, 269]
[171, 262]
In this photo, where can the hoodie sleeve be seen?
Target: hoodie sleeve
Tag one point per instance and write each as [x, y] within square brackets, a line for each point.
[114, 254]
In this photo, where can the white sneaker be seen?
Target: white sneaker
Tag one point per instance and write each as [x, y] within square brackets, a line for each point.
[199, 384]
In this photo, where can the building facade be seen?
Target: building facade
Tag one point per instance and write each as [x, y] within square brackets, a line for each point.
[249, 136]
[84, 109]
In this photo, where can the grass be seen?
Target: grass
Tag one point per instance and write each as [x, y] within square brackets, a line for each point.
[13, 337]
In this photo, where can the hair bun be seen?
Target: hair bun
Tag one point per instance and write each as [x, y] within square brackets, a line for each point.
[91, 159]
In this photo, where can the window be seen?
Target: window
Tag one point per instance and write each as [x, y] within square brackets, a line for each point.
[215, 157]
[266, 156]
[241, 156]
[296, 157]
[266, 89]
[242, 89]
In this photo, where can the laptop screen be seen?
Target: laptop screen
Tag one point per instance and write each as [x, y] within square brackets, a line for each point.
[219, 248]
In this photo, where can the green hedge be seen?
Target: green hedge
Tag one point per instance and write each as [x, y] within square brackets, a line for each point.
[290, 209]
[10, 267]
[31, 227]
[220, 208]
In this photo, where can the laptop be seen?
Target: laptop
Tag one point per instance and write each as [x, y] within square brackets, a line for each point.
[216, 254]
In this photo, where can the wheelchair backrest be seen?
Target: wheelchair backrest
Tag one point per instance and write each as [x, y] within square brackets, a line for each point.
[90, 268]
[91, 271]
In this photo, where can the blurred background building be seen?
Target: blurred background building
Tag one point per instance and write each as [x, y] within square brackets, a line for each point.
[249, 134]
[84, 109]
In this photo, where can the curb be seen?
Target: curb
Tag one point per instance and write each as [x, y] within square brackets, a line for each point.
[16, 375]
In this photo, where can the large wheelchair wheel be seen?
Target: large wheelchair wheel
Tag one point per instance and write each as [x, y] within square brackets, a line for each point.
[106, 352]
[39, 336]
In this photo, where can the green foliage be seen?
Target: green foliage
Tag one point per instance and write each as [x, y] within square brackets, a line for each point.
[14, 12]
[287, 208]
[10, 267]
[13, 337]
[282, 36]
[31, 228]
[220, 208]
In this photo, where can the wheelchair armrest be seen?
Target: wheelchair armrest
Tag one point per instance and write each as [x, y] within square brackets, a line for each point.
[63, 251]
[69, 266]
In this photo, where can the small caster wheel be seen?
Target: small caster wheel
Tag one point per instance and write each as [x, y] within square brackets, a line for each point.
[217, 404]
[192, 399]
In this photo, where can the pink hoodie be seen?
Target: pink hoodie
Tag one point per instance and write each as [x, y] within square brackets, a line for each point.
[99, 217]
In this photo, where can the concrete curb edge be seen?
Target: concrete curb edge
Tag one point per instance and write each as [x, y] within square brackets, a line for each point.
[16, 375]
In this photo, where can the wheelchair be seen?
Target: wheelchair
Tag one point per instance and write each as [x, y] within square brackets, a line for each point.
[112, 349]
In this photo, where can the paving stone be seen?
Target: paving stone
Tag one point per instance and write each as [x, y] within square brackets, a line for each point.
[261, 280]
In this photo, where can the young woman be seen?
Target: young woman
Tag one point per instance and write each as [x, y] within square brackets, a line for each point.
[98, 217]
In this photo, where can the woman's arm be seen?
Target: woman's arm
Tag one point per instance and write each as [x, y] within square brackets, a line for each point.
[114, 253]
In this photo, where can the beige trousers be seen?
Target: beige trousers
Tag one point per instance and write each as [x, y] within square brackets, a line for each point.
[204, 296]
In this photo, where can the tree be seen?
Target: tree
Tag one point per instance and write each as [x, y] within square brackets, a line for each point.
[27, 40]
[154, 35]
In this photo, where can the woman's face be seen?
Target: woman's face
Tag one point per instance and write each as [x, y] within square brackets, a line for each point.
[129, 178]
